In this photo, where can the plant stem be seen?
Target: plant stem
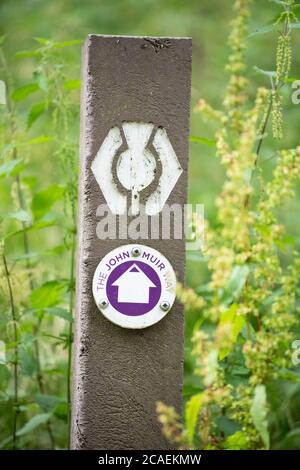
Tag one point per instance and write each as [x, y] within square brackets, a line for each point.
[16, 354]
[39, 374]
[264, 127]
[71, 305]
[40, 379]
[70, 180]
[22, 206]
[13, 129]
[275, 87]
[62, 106]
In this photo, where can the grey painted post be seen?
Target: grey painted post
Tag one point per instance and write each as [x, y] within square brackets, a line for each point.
[120, 374]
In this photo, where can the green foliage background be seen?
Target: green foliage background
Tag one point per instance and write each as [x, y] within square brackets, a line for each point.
[47, 163]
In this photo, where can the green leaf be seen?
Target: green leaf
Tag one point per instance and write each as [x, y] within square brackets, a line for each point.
[47, 402]
[61, 411]
[47, 295]
[192, 411]
[39, 140]
[4, 376]
[203, 140]
[41, 79]
[55, 250]
[259, 412]
[28, 362]
[236, 323]
[11, 167]
[25, 54]
[227, 426]
[5, 441]
[2, 39]
[212, 364]
[33, 423]
[61, 45]
[270, 28]
[31, 228]
[239, 370]
[291, 440]
[20, 215]
[30, 181]
[26, 256]
[236, 282]
[43, 200]
[35, 112]
[279, 2]
[72, 85]
[268, 73]
[43, 41]
[59, 312]
[292, 79]
[236, 441]
[21, 93]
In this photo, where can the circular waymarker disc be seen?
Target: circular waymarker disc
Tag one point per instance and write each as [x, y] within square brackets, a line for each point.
[134, 286]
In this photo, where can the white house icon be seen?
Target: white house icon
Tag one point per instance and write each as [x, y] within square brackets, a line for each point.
[134, 286]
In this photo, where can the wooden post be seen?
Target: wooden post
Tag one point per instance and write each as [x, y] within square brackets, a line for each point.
[120, 374]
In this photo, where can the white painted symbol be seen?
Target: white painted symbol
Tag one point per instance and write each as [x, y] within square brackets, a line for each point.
[136, 167]
[134, 286]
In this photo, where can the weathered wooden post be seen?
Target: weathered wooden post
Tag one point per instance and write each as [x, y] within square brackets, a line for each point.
[128, 351]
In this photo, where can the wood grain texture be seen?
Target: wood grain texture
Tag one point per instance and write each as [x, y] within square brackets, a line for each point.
[120, 374]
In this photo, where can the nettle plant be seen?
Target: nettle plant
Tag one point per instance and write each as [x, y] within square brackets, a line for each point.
[38, 220]
[242, 343]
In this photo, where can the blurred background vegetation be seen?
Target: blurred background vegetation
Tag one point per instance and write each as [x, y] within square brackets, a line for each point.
[207, 22]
